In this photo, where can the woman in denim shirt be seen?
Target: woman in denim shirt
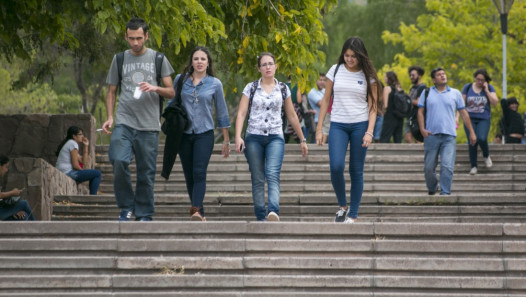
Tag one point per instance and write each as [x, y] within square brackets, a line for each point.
[264, 141]
[200, 90]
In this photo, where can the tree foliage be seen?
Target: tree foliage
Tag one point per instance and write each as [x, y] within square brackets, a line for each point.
[462, 36]
[236, 31]
[369, 21]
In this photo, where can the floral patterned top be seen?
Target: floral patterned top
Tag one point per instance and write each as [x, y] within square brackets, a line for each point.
[265, 113]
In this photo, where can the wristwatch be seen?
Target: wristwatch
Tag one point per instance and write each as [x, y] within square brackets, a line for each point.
[304, 140]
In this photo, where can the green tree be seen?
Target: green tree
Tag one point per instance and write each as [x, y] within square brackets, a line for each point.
[368, 21]
[236, 31]
[462, 36]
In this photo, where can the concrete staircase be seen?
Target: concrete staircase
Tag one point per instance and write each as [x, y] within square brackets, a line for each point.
[262, 259]
[406, 243]
[394, 189]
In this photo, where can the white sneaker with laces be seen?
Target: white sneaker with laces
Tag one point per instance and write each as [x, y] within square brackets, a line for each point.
[488, 162]
[273, 217]
[473, 171]
[349, 221]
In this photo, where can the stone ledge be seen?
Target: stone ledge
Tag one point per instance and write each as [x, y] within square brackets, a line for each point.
[42, 182]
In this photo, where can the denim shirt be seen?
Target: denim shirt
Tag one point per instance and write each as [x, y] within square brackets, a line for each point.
[197, 100]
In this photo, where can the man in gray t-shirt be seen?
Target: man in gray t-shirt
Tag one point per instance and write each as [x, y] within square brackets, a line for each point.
[137, 121]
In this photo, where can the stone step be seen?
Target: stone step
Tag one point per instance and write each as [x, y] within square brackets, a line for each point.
[262, 259]
[420, 187]
[327, 198]
[318, 213]
[308, 176]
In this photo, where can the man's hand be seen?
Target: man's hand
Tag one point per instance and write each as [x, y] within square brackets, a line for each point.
[107, 126]
[425, 133]
[146, 87]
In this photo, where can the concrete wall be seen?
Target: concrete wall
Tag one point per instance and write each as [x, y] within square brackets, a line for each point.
[42, 182]
[38, 135]
[30, 142]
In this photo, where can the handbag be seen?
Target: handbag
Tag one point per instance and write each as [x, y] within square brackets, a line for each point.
[6, 202]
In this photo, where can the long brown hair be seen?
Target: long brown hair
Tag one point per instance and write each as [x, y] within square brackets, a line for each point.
[355, 44]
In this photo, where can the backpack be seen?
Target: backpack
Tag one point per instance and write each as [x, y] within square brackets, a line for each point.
[283, 88]
[413, 121]
[159, 58]
[400, 104]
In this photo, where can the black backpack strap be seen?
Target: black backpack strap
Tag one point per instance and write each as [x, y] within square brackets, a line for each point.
[120, 62]
[253, 89]
[159, 58]
[283, 88]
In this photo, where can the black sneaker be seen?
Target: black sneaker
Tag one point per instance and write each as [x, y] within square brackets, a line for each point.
[340, 215]
[434, 192]
[125, 215]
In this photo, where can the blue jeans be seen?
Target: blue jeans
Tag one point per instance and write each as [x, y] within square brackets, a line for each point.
[340, 136]
[6, 214]
[194, 153]
[378, 128]
[93, 175]
[265, 156]
[126, 143]
[481, 127]
[445, 146]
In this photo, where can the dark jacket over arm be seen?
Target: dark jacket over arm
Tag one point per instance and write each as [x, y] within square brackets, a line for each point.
[174, 125]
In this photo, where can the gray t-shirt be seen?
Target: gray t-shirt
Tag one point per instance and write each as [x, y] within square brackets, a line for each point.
[143, 113]
[64, 157]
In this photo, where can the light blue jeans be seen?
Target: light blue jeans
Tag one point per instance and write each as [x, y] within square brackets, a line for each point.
[126, 143]
[265, 156]
[340, 136]
[445, 146]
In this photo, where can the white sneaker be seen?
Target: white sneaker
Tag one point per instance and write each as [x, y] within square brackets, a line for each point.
[488, 162]
[473, 171]
[348, 221]
[273, 217]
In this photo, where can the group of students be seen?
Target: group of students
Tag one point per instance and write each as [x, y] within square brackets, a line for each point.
[479, 97]
[264, 104]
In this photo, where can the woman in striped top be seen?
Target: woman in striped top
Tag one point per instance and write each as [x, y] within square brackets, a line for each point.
[354, 84]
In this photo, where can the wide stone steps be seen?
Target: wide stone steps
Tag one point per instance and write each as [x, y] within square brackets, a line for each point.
[262, 259]
[394, 188]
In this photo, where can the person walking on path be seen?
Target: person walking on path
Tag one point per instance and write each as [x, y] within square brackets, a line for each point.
[357, 92]
[393, 125]
[438, 126]
[263, 102]
[478, 97]
[137, 124]
[200, 91]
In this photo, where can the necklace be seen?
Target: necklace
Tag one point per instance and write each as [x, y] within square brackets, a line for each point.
[196, 90]
[196, 94]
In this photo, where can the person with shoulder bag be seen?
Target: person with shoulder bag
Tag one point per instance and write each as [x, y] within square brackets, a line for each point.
[356, 93]
[265, 102]
[479, 97]
[393, 124]
[200, 91]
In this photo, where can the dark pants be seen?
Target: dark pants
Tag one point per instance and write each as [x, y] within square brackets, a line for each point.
[392, 126]
[195, 152]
